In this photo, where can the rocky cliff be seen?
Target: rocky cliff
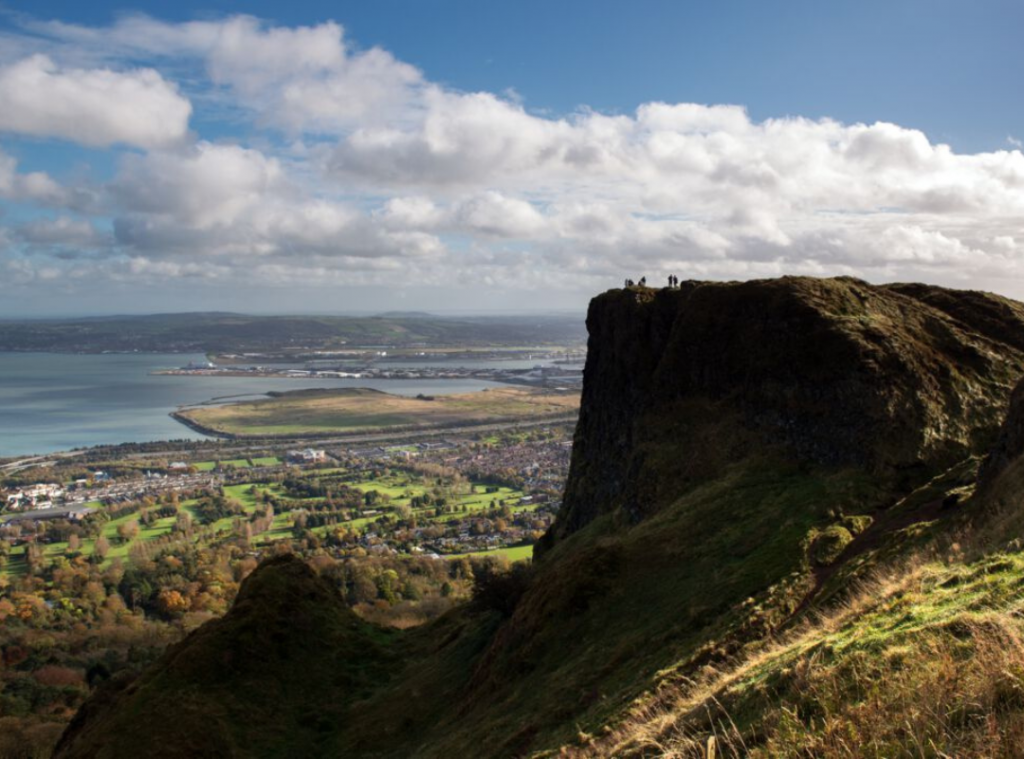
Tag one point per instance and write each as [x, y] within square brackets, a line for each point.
[896, 380]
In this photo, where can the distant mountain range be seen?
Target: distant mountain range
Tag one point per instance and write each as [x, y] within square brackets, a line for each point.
[237, 333]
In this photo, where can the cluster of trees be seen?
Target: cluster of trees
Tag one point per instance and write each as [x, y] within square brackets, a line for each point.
[74, 621]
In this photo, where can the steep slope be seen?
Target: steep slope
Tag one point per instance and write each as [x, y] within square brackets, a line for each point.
[746, 453]
[925, 656]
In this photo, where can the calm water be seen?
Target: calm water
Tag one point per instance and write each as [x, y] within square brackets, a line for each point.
[53, 402]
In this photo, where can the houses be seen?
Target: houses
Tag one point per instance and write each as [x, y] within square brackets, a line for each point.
[307, 456]
[74, 514]
[34, 497]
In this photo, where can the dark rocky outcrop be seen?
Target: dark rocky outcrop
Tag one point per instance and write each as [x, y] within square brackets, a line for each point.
[1010, 444]
[893, 379]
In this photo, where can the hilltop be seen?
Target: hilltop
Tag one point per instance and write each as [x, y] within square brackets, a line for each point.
[772, 532]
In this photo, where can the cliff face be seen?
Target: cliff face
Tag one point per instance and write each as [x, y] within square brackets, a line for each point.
[895, 380]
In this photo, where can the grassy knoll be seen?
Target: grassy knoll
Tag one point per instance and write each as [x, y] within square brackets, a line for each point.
[513, 554]
[346, 410]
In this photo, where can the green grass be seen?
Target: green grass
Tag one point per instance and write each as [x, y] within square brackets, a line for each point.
[936, 644]
[205, 466]
[241, 493]
[266, 461]
[513, 554]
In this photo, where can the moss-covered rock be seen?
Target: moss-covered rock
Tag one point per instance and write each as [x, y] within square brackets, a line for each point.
[827, 545]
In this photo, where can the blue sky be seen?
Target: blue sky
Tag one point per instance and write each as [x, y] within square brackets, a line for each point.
[470, 155]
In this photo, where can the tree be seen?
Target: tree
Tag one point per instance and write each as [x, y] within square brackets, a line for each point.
[102, 547]
[171, 603]
[128, 531]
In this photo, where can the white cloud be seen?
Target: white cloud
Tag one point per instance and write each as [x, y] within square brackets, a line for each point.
[96, 107]
[388, 174]
[33, 186]
[208, 187]
[294, 78]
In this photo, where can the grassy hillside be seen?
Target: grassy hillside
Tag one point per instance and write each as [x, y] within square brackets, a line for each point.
[923, 656]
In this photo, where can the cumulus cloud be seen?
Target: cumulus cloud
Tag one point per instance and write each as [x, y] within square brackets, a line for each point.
[210, 186]
[95, 107]
[304, 78]
[33, 186]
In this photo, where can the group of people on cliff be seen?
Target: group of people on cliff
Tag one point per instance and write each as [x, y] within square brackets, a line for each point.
[673, 281]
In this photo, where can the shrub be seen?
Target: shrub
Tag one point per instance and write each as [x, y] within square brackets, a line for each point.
[495, 590]
[829, 544]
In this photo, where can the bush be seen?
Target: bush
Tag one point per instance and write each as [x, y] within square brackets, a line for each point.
[495, 590]
[829, 544]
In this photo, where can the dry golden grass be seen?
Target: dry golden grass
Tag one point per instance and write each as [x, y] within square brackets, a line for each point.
[325, 411]
[889, 673]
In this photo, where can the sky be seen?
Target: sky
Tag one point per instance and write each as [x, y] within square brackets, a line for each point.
[467, 156]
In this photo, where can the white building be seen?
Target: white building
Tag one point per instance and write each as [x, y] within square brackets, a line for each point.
[307, 456]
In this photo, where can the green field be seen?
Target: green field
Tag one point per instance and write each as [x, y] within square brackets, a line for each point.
[513, 554]
[346, 410]
[399, 487]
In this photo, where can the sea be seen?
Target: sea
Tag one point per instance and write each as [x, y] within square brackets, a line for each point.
[55, 402]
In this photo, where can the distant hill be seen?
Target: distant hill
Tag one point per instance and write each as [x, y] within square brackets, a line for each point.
[405, 315]
[239, 333]
[772, 543]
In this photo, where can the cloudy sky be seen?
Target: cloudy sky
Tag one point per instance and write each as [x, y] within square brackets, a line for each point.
[461, 155]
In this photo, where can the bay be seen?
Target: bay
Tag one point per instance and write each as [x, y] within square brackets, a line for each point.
[54, 402]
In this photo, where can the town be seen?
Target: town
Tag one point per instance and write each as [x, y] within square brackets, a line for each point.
[437, 497]
[559, 376]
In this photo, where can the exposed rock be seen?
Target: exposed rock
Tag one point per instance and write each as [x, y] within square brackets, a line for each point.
[1010, 444]
[896, 379]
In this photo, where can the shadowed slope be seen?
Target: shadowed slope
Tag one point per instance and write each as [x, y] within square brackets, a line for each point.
[270, 677]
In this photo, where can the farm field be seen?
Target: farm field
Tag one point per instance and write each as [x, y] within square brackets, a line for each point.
[346, 410]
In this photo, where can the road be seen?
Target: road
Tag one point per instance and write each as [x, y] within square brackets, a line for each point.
[305, 441]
